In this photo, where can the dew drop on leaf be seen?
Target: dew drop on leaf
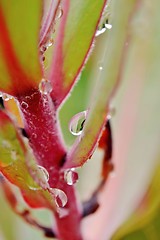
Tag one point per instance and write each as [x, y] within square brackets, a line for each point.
[100, 31]
[59, 196]
[59, 13]
[70, 176]
[40, 176]
[45, 86]
[77, 123]
[111, 113]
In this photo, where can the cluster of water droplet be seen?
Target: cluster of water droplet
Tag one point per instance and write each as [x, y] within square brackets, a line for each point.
[77, 122]
[50, 42]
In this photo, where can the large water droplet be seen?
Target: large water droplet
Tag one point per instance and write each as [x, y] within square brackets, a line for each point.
[70, 176]
[45, 86]
[59, 196]
[44, 173]
[77, 123]
[49, 43]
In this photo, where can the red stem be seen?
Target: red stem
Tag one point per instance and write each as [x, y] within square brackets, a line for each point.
[42, 129]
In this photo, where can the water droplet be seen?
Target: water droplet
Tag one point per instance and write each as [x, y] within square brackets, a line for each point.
[49, 43]
[40, 176]
[108, 26]
[59, 13]
[111, 113]
[44, 173]
[59, 196]
[100, 31]
[70, 176]
[24, 105]
[6, 97]
[45, 86]
[77, 123]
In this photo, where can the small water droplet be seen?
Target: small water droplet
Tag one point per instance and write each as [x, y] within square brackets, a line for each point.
[77, 123]
[100, 31]
[49, 43]
[59, 13]
[6, 97]
[108, 26]
[70, 176]
[59, 196]
[45, 86]
[111, 113]
[24, 105]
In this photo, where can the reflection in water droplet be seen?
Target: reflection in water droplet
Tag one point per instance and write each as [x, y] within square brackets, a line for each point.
[45, 86]
[100, 31]
[77, 123]
[59, 13]
[70, 176]
[59, 196]
[49, 43]
[6, 97]
[111, 113]
[108, 26]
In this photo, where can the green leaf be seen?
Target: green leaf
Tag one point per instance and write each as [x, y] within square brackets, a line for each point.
[13, 166]
[19, 58]
[72, 44]
[110, 56]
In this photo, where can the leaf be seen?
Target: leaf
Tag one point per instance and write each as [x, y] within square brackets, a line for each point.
[19, 58]
[13, 166]
[110, 56]
[136, 128]
[74, 39]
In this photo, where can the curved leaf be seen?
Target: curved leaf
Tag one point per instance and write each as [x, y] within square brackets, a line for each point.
[110, 56]
[19, 58]
[74, 38]
[13, 166]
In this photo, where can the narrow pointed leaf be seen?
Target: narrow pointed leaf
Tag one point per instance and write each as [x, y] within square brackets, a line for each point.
[19, 58]
[136, 124]
[72, 44]
[111, 56]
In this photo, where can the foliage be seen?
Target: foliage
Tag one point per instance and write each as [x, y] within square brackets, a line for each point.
[59, 70]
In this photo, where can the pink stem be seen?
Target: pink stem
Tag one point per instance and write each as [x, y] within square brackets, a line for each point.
[43, 131]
